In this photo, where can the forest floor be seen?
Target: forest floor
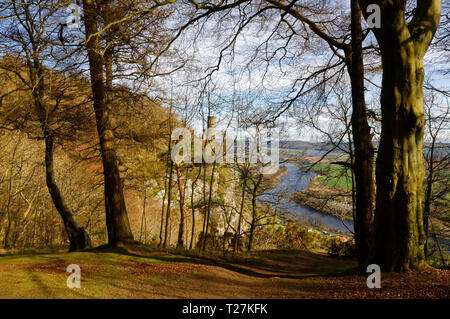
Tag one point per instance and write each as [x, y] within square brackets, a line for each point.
[139, 272]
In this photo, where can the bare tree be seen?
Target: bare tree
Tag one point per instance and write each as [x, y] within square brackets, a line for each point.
[33, 37]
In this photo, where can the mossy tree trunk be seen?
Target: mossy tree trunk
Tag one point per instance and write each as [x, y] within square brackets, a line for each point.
[399, 236]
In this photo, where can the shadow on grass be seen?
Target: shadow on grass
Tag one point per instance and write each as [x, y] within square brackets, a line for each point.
[274, 264]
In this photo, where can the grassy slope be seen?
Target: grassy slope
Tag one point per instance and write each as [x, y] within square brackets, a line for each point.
[141, 273]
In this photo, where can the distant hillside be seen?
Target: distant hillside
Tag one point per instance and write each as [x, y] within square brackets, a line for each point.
[298, 145]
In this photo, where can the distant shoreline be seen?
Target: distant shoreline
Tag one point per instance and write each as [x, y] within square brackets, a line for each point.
[325, 199]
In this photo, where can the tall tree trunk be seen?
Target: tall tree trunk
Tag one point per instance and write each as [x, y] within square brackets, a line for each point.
[399, 236]
[363, 155]
[237, 234]
[8, 202]
[180, 241]
[352, 175]
[143, 219]
[192, 207]
[169, 203]
[428, 189]
[254, 212]
[252, 225]
[117, 222]
[78, 237]
[161, 226]
[201, 239]
[208, 212]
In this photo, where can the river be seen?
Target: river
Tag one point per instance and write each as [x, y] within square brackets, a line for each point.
[296, 180]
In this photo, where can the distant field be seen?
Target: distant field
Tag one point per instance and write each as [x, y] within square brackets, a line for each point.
[334, 175]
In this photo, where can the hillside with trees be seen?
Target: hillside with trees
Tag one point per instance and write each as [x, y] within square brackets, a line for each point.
[225, 149]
